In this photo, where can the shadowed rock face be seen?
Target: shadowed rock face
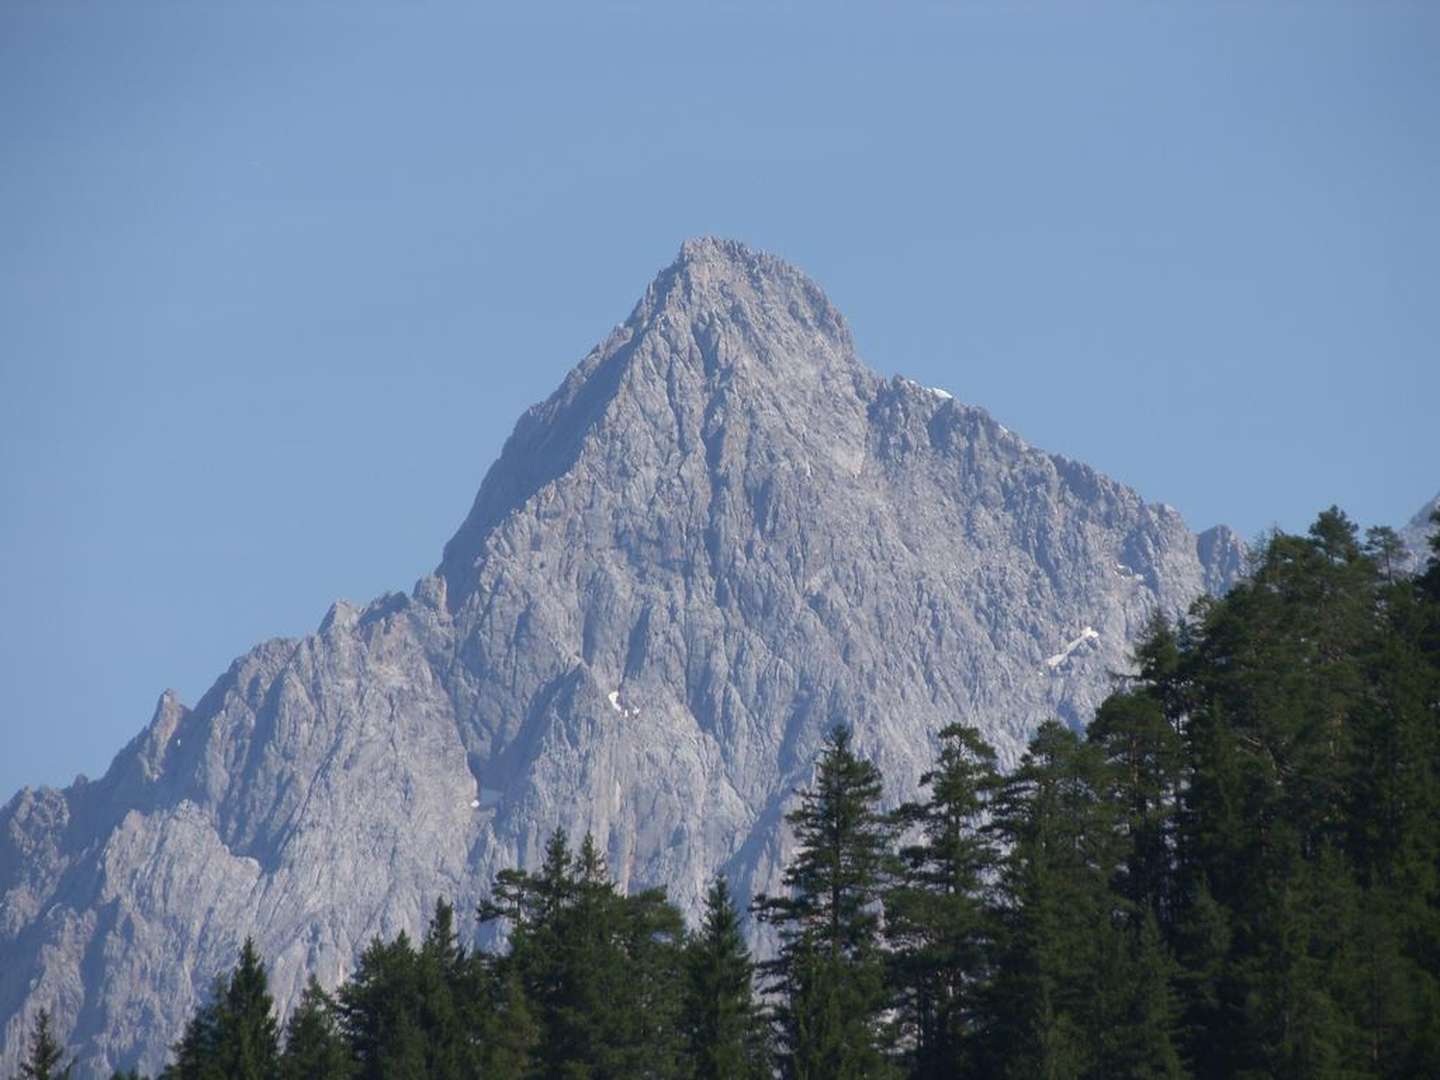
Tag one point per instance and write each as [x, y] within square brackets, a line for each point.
[721, 536]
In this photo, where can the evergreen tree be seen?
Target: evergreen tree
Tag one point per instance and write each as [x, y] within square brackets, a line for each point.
[247, 1037]
[315, 1048]
[195, 1056]
[600, 971]
[1279, 676]
[423, 1012]
[724, 1033]
[830, 971]
[234, 1036]
[1075, 992]
[376, 1010]
[937, 916]
[46, 1053]
[454, 996]
[649, 976]
[1139, 735]
[511, 1033]
[1385, 548]
[1305, 858]
[1143, 1036]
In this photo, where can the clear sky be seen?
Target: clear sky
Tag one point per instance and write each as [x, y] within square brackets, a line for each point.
[276, 279]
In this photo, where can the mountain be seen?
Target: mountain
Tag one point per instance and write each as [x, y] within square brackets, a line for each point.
[719, 537]
[1415, 535]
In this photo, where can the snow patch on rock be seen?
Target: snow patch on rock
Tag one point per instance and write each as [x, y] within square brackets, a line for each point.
[1089, 633]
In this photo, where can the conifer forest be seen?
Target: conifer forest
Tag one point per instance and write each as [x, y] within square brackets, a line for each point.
[1234, 871]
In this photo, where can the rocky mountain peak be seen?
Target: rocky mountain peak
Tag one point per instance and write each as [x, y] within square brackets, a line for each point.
[724, 339]
[730, 312]
[721, 536]
[713, 279]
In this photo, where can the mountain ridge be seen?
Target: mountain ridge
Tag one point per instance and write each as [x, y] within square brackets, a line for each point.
[721, 535]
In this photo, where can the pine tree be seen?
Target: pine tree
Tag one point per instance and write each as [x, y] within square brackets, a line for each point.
[454, 994]
[1143, 751]
[1305, 853]
[600, 971]
[315, 1048]
[511, 1033]
[1065, 1000]
[724, 1033]
[648, 974]
[376, 1012]
[247, 1035]
[830, 971]
[195, 1056]
[1285, 744]
[1385, 548]
[234, 1035]
[46, 1053]
[937, 915]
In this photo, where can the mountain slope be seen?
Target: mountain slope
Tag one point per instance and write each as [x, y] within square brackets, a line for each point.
[719, 537]
[1415, 535]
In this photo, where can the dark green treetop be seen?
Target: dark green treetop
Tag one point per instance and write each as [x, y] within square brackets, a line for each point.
[724, 1033]
[46, 1053]
[830, 974]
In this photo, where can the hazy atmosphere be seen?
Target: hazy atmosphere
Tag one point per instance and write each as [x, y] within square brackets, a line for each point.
[278, 279]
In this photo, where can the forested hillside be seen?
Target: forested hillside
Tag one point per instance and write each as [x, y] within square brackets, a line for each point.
[1233, 872]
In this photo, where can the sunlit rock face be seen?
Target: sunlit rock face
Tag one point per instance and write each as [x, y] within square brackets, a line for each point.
[721, 536]
[1415, 537]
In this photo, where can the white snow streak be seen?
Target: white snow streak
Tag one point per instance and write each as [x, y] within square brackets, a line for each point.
[627, 711]
[1087, 634]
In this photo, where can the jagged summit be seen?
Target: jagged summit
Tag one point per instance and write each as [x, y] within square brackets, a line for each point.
[723, 329]
[729, 311]
[721, 250]
[716, 273]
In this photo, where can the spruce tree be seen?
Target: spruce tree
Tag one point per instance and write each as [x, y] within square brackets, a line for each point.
[233, 1036]
[453, 996]
[1276, 726]
[1142, 748]
[724, 1033]
[194, 1054]
[315, 1048]
[1067, 998]
[937, 915]
[46, 1053]
[511, 1033]
[376, 1008]
[600, 971]
[247, 1037]
[830, 972]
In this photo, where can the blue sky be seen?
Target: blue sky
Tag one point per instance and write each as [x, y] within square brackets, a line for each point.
[278, 278]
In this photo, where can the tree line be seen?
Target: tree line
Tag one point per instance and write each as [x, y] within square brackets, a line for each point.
[1233, 872]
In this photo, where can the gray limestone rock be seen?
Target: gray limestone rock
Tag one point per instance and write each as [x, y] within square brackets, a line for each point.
[721, 536]
[1415, 535]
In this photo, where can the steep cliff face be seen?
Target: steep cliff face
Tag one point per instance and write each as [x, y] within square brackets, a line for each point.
[720, 536]
[1416, 537]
